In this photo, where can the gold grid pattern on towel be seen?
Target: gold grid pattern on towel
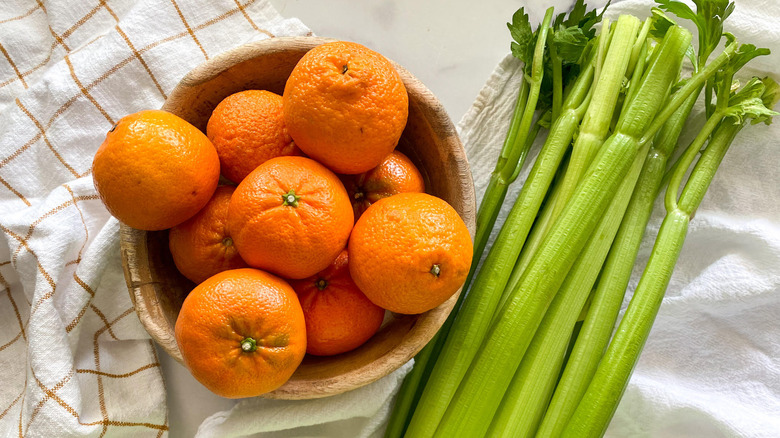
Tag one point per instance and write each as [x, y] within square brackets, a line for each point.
[64, 193]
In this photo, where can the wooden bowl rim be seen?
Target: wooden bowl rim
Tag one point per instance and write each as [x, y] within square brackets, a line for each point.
[426, 324]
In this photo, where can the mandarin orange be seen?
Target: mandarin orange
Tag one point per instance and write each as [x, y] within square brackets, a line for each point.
[247, 128]
[155, 170]
[291, 216]
[395, 174]
[201, 245]
[345, 106]
[339, 317]
[410, 252]
[241, 333]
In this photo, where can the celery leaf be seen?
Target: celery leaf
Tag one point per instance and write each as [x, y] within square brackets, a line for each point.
[660, 24]
[708, 18]
[771, 92]
[570, 42]
[744, 54]
[524, 38]
[754, 101]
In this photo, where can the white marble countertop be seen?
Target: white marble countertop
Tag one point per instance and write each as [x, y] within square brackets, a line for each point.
[451, 46]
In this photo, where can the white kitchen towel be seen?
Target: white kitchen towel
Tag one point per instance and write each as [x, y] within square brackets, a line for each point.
[74, 359]
[711, 367]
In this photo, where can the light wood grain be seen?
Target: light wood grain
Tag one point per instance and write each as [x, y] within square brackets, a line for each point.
[430, 140]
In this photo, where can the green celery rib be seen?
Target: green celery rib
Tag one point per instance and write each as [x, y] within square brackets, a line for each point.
[598, 405]
[511, 139]
[474, 316]
[497, 186]
[594, 129]
[528, 395]
[487, 213]
[595, 124]
[405, 400]
[411, 389]
[483, 385]
[557, 78]
[534, 237]
[639, 52]
[597, 328]
[505, 172]
[604, 387]
[537, 74]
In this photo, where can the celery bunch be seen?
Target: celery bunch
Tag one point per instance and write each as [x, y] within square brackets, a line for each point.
[515, 361]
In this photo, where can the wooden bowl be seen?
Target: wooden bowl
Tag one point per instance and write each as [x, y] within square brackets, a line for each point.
[430, 140]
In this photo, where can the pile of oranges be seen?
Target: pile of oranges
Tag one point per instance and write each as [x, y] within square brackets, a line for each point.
[294, 215]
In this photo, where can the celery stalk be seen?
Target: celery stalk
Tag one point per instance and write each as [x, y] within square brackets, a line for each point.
[405, 400]
[479, 394]
[557, 79]
[597, 327]
[594, 423]
[594, 129]
[505, 172]
[595, 124]
[525, 401]
[517, 143]
[603, 394]
[497, 186]
[474, 316]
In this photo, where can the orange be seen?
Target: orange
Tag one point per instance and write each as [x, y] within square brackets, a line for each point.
[241, 333]
[290, 216]
[155, 170]
[247, 128]
[395, 174]
[201, 246]
[339, 317]
[410, 252]
[345, 106]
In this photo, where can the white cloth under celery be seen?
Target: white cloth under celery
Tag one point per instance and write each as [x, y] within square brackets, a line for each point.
[711, 367]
